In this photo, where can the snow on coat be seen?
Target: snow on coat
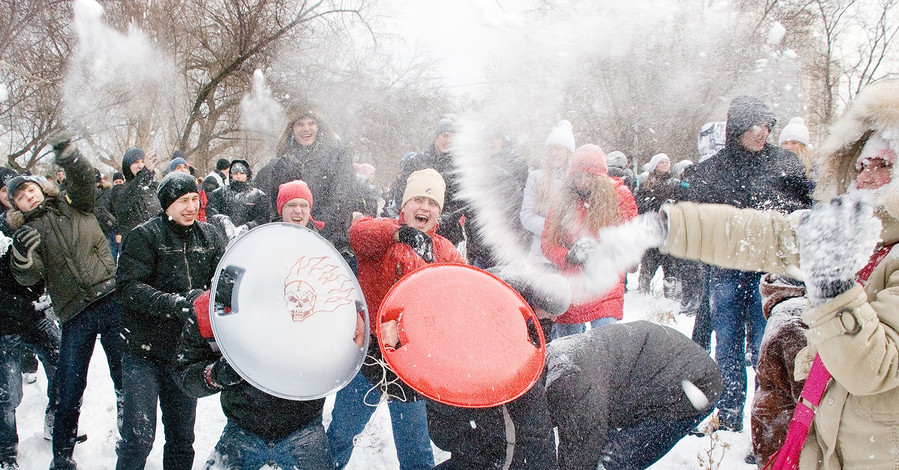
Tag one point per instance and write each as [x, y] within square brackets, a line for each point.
[617, 375]
[609, 304]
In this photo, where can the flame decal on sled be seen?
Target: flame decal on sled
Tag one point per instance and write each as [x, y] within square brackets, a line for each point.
[315, 285]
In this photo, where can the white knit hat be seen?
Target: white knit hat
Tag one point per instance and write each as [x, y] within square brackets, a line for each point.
[795, 130]
[561, 135]
[427, 183]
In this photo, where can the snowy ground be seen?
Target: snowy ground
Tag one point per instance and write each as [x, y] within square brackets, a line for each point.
[375, 448]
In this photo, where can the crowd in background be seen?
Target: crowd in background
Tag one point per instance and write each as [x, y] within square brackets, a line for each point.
[131, 260]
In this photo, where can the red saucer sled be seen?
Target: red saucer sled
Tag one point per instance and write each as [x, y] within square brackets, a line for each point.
[463, 336]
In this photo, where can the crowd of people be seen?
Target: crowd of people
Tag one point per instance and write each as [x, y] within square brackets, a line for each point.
[781, 249]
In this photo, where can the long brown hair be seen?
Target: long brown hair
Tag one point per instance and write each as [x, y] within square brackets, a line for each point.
[601, 205]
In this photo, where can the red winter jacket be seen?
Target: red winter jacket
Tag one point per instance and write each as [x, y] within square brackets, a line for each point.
[611, 304]
[383, 260]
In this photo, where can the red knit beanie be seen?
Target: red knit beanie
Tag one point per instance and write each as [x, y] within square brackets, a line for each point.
[292, 190]
[296, 189]
[589, 158]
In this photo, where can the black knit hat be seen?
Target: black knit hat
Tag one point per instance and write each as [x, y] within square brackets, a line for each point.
[173, 186]
[131, 155]
[5, 175]
[222, 164]
[241, 166]
[14, 183]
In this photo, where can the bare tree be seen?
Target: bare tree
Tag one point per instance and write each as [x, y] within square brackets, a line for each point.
[33, 50]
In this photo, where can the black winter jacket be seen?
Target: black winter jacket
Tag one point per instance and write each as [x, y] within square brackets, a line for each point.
[329, 173]
[17, 312]
[135, 201]
[655, 191]
[617, 375]
[160, 264]
[770, 179]
[484, 438]
[266, 416]
[244, 204]
[104, 211]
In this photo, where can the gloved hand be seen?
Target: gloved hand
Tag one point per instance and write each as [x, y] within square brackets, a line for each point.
[65, 151]
[185, 304]
[220, 374]
[836, 240]
[580, 251]
[24, 241]
[225, 289]
[420, 242]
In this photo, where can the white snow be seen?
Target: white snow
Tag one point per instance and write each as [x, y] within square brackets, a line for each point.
[776, 33]
[374, 449]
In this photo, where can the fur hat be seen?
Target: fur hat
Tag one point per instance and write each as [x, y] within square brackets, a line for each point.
[444, 125]
[427, 183]
[5, 176]
[875, 108]
[616, 159]
[222, 164]
[306, 108]
[589, 158]
[561, 135]
[795, 130]
[173, 186]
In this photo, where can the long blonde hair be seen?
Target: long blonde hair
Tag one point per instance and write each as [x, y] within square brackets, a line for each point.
[805, 156]
[545, 182]
[601, 204]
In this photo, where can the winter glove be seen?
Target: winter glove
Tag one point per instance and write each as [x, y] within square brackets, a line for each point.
[220, 374]
[24, 241]
[420, 242]
[580, 251]
[836, 240]
[184, 306]
[225, 289]
[66, 152]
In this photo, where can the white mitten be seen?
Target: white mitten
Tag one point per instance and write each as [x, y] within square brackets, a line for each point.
[836, 240]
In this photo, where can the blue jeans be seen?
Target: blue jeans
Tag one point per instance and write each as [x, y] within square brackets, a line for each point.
[351, 414]
[144, 383]
[736, 310]
[79, 335]
[644, 443]
[239, 449]
[10, 395]
[560, 330]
